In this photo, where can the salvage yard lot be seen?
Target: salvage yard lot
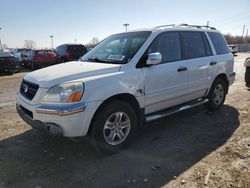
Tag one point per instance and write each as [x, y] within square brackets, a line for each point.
[188, 149]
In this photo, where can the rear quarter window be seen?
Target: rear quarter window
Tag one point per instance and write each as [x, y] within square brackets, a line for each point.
[219, 43]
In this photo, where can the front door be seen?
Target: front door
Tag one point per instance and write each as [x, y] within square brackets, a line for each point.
[166, 84]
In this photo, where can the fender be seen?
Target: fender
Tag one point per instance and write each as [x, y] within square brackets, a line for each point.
[247, 62]
[100, 88]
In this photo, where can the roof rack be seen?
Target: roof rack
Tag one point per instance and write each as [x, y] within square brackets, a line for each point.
[197, 26]
[187, 25]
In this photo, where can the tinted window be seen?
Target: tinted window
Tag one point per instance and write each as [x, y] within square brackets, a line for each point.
[208, 49]
[168, 44]
[62, 49]
[219, 43]
[193, 45]
[76, 48]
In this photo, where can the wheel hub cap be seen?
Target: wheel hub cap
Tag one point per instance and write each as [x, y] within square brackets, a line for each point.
[218, 94]
[116, 128]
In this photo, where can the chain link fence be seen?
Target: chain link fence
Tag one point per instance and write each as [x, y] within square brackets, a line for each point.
[243, 47]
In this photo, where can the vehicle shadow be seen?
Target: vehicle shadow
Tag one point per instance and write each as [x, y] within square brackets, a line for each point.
[161, 150]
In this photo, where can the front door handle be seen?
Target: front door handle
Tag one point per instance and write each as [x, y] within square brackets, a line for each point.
[180, 69]
[213, 63]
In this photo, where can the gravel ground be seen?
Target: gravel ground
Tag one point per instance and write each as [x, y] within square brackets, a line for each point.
[189, 149]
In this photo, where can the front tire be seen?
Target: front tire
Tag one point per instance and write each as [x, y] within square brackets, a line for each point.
[114, 126]
[217, 95]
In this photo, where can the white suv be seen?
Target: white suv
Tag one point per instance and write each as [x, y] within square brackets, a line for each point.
[127, 79]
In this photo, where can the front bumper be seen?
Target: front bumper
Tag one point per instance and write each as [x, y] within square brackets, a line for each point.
[231, 78]
[52, 129]
[73, 120]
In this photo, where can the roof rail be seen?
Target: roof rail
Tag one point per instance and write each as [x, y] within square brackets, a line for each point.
[197, 26]
[168, 25]
[186, 25]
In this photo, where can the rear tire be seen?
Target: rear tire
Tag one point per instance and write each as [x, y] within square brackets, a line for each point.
[114, 126]
[216, 95]
[247, 76]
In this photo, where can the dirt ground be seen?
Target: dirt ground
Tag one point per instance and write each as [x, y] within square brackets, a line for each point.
[189, 149]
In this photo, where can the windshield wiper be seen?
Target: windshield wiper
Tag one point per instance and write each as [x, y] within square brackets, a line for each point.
[98, 60]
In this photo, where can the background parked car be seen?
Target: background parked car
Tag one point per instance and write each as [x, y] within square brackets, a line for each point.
[41, 58]
[21, 55]
[70, 52]
[28, 58]
[8, 63]
[234, 49]
[247, 73]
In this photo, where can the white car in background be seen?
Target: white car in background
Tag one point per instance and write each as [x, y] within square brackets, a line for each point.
[21, 54]
[127, 79]
[234, 49]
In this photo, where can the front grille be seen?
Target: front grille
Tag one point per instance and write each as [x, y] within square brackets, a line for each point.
[28, 89]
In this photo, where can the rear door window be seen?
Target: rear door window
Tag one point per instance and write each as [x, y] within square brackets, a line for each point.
[193, 45]
[219, 43]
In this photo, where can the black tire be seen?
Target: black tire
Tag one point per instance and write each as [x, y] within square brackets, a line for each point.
[107, 112]
[247, 76]
[215, 100]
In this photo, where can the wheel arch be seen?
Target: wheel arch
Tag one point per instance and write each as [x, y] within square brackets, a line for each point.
[224, 77]
[127, 97]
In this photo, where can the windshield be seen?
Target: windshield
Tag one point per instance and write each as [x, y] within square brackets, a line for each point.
[118, 49]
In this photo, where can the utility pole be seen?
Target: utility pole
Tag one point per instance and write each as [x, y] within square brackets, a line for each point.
[51, 38]
[246, 39]
[75, 41]
[1, 41]
[243, 31]
[126, 26]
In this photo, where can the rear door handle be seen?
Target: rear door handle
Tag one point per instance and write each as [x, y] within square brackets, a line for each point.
[213, 63]
[180, 69]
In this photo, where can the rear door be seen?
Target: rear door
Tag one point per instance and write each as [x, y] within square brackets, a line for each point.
[223, 60]
[198, 55]
[165, 83]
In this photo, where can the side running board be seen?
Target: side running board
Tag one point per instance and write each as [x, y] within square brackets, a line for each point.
[173, 110]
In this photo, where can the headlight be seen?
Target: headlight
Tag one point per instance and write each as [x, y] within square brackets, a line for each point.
[65, 93]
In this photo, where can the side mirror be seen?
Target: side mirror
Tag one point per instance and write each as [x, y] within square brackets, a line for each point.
[154, 58]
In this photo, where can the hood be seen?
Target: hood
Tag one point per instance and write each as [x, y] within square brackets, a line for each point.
[69, 71]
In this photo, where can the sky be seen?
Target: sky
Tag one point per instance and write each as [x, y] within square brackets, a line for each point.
[82, 20]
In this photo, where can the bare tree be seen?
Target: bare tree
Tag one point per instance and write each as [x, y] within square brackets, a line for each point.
[92, 43]
[236, 39]
[29, 44]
